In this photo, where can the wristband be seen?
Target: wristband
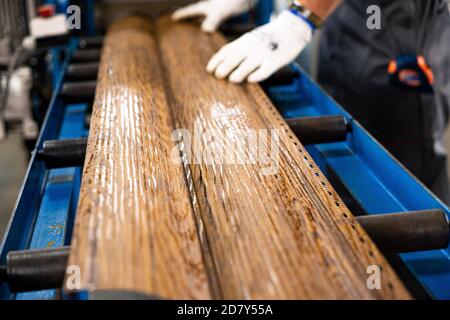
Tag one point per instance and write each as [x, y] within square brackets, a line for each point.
[301, 11]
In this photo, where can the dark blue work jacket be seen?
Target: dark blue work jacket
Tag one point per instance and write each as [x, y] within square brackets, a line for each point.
[353, 68]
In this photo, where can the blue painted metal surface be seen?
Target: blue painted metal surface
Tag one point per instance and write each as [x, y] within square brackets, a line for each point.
[90, 18]
[375, 179]
[264, 10]
[27, 227]
[54, 221]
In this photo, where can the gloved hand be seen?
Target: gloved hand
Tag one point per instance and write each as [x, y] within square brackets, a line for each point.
[258, 54]
[215, 11]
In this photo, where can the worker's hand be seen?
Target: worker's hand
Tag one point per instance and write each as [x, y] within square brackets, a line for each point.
[214, 11]
[258, 54]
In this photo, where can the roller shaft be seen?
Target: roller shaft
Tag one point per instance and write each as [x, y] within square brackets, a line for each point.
[82, 71]
[63, 153]
[78, 91]
[86, 55]
[31, 270]
[408, 231]
[325, 129]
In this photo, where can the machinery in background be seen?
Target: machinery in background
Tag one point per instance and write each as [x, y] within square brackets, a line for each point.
[15, 84]
[14, 26]
[18, 104]
[26, 43]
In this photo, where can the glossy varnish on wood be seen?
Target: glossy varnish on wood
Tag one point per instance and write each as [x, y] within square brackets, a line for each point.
[143, 221]
[135, 228]
[279, 234]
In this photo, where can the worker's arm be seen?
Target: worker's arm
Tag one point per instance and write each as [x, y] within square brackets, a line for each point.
[323, 8]
[258, 54]
[214, 11]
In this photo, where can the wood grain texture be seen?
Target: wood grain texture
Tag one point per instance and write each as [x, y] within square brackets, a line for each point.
[285, 235]
[134, 227]
[204, 229]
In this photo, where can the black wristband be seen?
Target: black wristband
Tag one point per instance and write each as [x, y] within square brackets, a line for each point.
[300, 9]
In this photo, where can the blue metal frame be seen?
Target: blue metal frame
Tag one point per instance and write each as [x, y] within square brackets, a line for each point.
[90, 18]
[53, 224]
[263, 10]
[43, 214]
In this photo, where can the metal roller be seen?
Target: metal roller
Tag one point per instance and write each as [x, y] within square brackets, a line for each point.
[86, 55]
[82, 71]
[90, 42]
[408, 231]
[53, 41]
[31, 270]
[284, 76]
[235, 30]
[63, 153]
[314, 130]
[87, 120]
[81, 91]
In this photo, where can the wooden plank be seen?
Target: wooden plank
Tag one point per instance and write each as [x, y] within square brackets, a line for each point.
[134, 227]
[279, 235]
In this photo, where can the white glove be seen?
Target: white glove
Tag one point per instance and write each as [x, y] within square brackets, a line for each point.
[215, 11]
[258, 54]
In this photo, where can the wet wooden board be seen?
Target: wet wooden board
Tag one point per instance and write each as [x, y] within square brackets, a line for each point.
[134, 226]
[272, 234]
[235, 227]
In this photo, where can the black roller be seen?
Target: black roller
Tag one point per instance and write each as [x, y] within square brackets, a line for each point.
[408, 231]
[87, 120]
[90, 42]
[284, 76]
[235, 30]
[82, 71]
[63, 153]
[325, 129]
[86, 55]
[81, 91]
[3, 274]
[52, 41]
[31, 270]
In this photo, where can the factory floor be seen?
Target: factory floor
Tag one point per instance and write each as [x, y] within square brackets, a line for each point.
[13, 164]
